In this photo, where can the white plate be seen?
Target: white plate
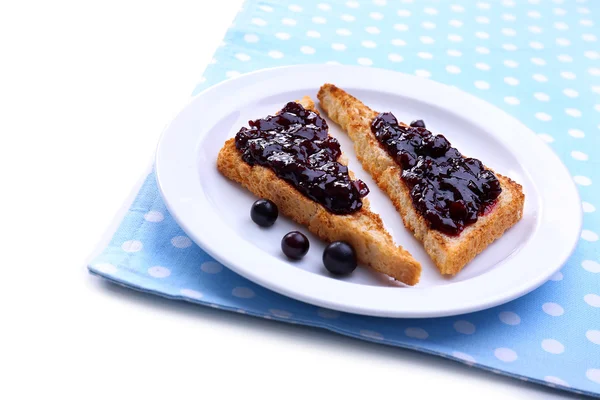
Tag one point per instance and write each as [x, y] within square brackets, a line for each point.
[214, 212]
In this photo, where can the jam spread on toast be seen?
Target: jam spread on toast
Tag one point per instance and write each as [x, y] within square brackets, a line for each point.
[295, 145]
[450, 191]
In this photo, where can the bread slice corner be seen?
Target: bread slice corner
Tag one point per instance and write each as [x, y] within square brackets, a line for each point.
[449, 253]
[363, 229]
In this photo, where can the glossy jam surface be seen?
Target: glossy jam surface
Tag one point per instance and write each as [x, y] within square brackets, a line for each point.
[295, 145]
[447, 189]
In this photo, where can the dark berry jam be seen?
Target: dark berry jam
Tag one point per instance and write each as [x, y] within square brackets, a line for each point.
[450, 191]
[295, 145]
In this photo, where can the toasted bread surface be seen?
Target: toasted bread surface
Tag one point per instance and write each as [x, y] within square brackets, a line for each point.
[363, 229]
[449, 253]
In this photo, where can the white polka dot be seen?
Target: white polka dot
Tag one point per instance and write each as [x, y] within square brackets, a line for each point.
[181, 242]
[457, 8]
[536, 45]
[513, 101]
[294, 8]
[242, 56]
[557, 276]
[455, 38]
[307, 50]
[364, 61]
[352, 4]
[343, 32]
[380, 2]
[464, 356]
[592, 299]
[398, 42]
[563, 42]
[555, 381]
[482, 50]
[319, 20]
[338, 46]
[132, 246]
[416, 333]
[508, 32]
[376, 15]
[561, 26]
[576, 133]
[573, 112]
[327, 313]
[594, 71]
[591, 266]
[455, 23]
[348, 17]
[194, 294]
[251, 38]
[428, 25]
[280, 313]
[482, 85]
[583, 10]
[284, 35]
[482, 35]
[509, 318]
[275, 54]
[505, 354]
[288, 21]
[511, 81]
[454, 53]
[586, 22]
[553, 346]
[106, 268]
[159, 272]
[372, 30]
[534, 29]
[430, 11]
[482, 20]
[258, 21]
[538, 61]
[571, 92]
[545, 137]
[425, 55]
[403, 13]
[483, 6]
[593, 375]
[582, 180]
[211, 267]
[541, 96]
[395, 57]
[324, 6]
[508, 3]
[593, 336]
[587, 207]
[313, 34]
[592, 55]
[243, 292]
[509, 47]
[511, 63]
[559, 11]
[266, 8]
[464, 327]
[371, 334]
[482, 66]
[578, 155]
[553, 309]
[568, 75]
[589, 235]
[453, 69]
[154, 216]
[369, 44]
[427, 39]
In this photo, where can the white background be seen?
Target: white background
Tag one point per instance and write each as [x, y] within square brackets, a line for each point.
[85, 89]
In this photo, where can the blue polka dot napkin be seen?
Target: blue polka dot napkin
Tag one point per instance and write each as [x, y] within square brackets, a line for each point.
[539, 60]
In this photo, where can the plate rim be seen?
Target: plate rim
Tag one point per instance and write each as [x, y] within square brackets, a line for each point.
[518, 291]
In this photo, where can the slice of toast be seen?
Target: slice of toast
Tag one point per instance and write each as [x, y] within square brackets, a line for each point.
[449, 253]
[363, 229]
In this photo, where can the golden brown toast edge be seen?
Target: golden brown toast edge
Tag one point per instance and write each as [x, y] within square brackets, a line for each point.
[363, 229]
[450, 254]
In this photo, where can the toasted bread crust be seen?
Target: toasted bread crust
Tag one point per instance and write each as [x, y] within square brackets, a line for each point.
[450, 254]
[363, 229]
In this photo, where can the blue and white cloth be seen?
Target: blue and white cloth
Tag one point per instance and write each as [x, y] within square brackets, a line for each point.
[539, 60]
